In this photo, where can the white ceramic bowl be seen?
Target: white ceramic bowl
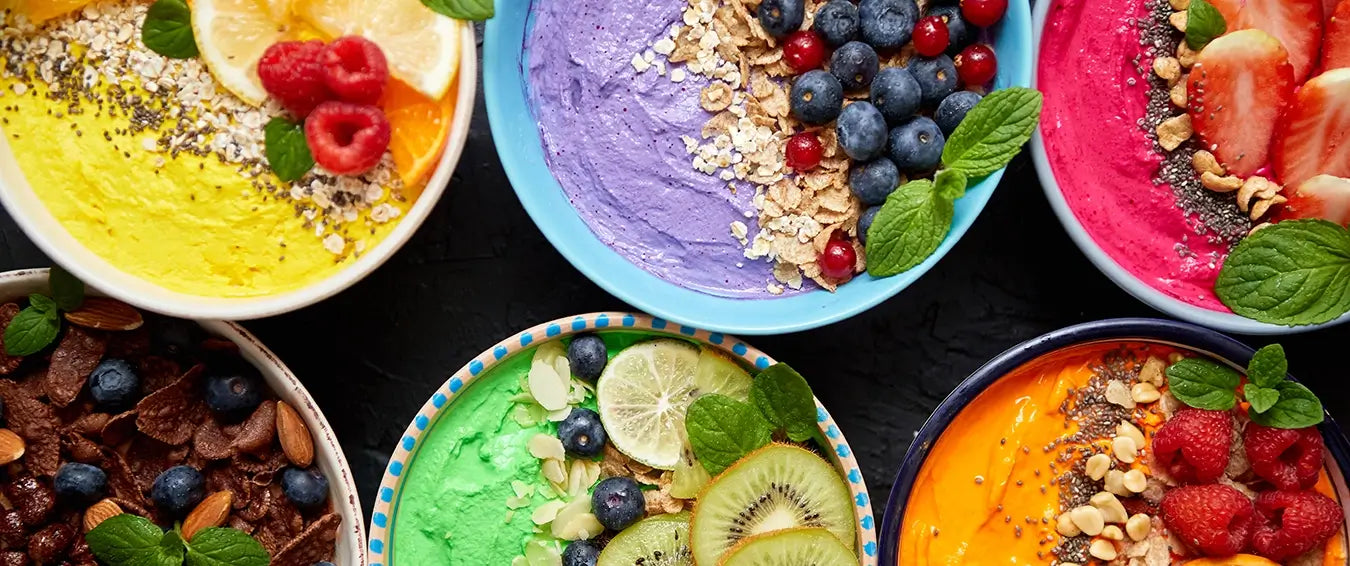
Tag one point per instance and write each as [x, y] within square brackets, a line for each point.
[43, 228]
[351, 541]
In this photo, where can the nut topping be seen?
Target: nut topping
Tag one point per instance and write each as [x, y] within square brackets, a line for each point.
[11, 446]
[100, 512]
[294, 435]
[211, 512]
[102, 313]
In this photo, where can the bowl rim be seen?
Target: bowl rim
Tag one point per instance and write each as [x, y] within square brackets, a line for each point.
[26, 209]
[1130, 283]
[440, 402]
[511, 122]
[1190, 336]
[287, 387]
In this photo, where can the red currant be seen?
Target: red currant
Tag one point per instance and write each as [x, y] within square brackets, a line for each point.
[983, 13]
[838, 259]
[931, 36]
[804, 151]
[804, 51]
[976, 65]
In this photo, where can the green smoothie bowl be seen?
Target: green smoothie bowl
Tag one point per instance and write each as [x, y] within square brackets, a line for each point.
[617, 439]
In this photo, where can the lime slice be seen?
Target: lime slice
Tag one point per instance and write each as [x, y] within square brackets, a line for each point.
[718, 373]
[643, 395]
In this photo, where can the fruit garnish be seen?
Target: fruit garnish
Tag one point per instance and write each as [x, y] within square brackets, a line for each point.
[126, 540]
[1192, 446]
[420, 131]
[1205, 21]
[1273, 399]
[838, 259]
[781, 17]
[1238, 87]
[232, 36]
[722, 429]
[804, 50]
[286, 149]
[643, 395]
[804, 151]
[422, 47]
[38, 11]
[931, 36]
[293, 73]
[1287, 458]
[1314, 134]
[1214, 519]
[1297, 24]
[1323, 196]
[1336, 42]
[167, 29]
[36, 326]
[983, 13]
[346, 138]
[776, 487]
[355, 70]
[791, 547]
[976, 65]
[662, 539]
[1290, 523]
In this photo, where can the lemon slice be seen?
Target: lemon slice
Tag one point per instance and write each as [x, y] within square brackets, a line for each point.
[643, 395]
[422, 46]
[232, 36]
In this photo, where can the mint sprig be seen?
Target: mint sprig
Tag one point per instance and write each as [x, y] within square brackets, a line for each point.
[993, 132]
[168, 30]
[1204, 22]
[471, 10]
[1273, 400]
[722, 430]
[1204, 384]
[784, 399]
[287, 150]
[38, 324]
[909, 227]
[1293, 273]
[129, 540]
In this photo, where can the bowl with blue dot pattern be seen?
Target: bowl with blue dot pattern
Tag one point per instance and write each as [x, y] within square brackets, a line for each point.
[395, 522]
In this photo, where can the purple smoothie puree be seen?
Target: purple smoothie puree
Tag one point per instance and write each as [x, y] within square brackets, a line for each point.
[611, 137]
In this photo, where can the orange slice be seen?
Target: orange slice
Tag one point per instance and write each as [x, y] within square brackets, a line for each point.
[39, 11]
[421, 129]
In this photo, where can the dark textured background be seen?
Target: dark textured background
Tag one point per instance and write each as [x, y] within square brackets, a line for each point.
[479, 271]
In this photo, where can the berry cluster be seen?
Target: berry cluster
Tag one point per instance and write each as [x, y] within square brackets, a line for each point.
[334, 88]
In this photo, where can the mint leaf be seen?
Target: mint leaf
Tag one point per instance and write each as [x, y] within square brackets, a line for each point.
[993, 132]
[910, 226]
[1268, 366]
[42, 303]
[31, 331]
[128, 540]
[1294, 273]
[723, 430]
[66, 289]
[287, 151]
[950, 184]
[225, 547]
[1204, 384]
[1204, 22]
[1297, 408]
[472, 10]
[1260, 398]
[785, 400]
[168, 30]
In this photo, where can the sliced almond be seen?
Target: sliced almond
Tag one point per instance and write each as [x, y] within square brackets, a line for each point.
[100, 512]
[11, 446]
[211, 512]
[101, 313]
[546, 447]
[296, 441]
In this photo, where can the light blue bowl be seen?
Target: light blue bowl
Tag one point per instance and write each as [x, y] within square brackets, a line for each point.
[518, 143]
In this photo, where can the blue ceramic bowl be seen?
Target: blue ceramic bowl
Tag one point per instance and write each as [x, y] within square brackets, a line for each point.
[1178, 334]
[518, 143]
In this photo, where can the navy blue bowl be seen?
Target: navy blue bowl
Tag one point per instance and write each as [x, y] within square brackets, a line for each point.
[1179, 334]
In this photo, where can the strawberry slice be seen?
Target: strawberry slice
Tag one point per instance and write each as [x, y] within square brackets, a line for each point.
[1314, 136]
[1238, 87]
[1296, 23]
[1231, 10]
[1324, 196]
[1336, 44]
[1329, 8]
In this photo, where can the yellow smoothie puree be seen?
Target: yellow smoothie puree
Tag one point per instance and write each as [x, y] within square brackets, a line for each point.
[986, 494]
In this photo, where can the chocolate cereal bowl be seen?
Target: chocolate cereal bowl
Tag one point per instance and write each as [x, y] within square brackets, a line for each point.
[1103, 350]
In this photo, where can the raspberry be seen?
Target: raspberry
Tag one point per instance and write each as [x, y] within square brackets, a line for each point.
[346, 138]
[1192, 446]
[292, 73]
[1289, 459]
[1214, 519]
[1290, 523]
[355, 69]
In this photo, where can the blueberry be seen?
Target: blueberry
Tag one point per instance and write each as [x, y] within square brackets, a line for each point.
[177, 337]
[617, 502]
[896, 94]
[953, 110]
[307, 489]
[837, 22]
[960, 33]
[587, 354]
[862, 131]
[887, 24]
[178, 490]
[782, 17]
[854, 64]
[873, 181]
[80, 484]
[865, 222]
[114, 385]
[916, 145]
[233, 394]
[936, 77]
[817, 97]
[582, 434]
[581, 553]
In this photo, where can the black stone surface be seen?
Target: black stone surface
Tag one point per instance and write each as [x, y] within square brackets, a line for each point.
[478, 270]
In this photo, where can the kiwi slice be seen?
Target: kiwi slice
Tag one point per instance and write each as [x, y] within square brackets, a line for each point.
[662, 540]
[777, 487]
[792, 547]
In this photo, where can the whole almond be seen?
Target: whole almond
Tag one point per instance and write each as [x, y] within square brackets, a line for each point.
[106, 314]
[11, 446]
[211, 512]
[294, 436]
[100, 512]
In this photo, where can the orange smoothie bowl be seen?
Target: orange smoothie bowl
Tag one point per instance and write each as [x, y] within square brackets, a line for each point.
[1051, 454]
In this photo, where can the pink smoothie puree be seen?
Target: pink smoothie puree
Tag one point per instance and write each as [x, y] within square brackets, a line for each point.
[1101, 158]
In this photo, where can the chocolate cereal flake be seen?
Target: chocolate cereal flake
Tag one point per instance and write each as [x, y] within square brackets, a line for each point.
[255, 434]
[74, 359]
[8, 363]
[37, 424]
[315, 544]
[210, 441]
[171, 414]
